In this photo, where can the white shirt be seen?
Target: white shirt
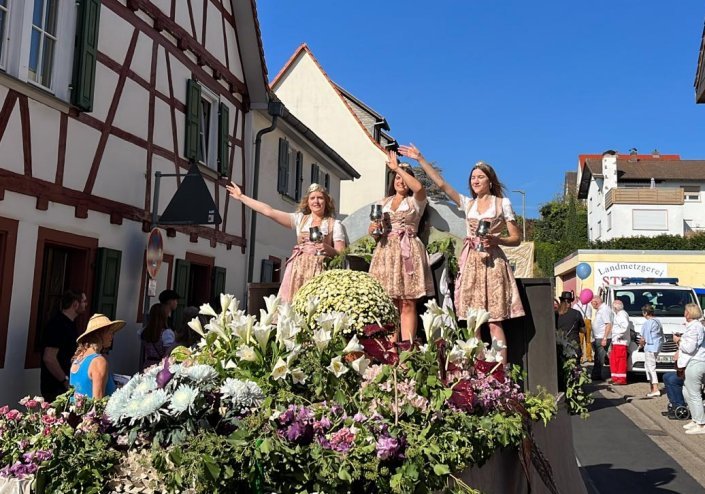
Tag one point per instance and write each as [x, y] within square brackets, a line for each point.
[603, 317]
[404, 205]
[690, 346]
[338, 229]
[620, 328]
[507, 211]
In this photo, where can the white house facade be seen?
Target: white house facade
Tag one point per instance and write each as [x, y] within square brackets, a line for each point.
[355, 131]
[149, 86]
[642, 195]
[292, 157]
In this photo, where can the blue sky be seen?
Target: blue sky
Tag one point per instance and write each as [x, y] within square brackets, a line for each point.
[524, 85]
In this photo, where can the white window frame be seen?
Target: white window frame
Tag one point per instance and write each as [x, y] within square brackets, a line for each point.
[691, 195]
[637, 212]
[18, 42]
[609, 221]
[7, 10]
[211, 160]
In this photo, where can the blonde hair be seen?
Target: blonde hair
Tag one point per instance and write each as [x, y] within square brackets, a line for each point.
[693, 311]
[328, 211]
[92, 341]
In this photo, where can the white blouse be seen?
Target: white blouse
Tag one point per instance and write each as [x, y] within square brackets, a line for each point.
[507, 211]
[338, 228]
[404, 205]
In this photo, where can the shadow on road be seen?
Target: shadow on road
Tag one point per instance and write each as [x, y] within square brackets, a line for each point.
[650, 481]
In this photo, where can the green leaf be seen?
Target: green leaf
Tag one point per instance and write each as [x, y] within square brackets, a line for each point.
[212, 467]
[343, 474]
[441, 469]
[266, 446]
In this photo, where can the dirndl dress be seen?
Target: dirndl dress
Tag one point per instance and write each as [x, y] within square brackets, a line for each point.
[485, 279]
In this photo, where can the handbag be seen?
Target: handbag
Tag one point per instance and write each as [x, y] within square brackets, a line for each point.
[680, 372]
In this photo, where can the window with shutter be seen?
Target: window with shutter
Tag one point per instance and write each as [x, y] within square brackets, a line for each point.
[283, 167]
[218, 285]
[223, 137]
[267, 271]
[107, 281]
[326, 182]
[299, 174]
[182, 281]
[85, 54]
[193, 120]
[315, 171]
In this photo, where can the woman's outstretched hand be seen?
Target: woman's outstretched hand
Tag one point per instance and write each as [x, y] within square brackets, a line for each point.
[410, 151]
[393, 161]
[234, 191]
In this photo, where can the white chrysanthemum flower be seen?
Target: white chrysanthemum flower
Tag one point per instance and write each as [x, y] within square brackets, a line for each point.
[242, 394]
[353, 346]
[147, 407]
[298, 376]
[360, 365]
[146, 385]
[322, 339]
[115, 409]
[183, 399]
[199, 373]
[337, 367]
[246, 353]
[280, 370]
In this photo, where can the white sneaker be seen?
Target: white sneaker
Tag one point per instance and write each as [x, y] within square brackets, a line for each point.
[653, 394]
[689, 425]
[698, 429]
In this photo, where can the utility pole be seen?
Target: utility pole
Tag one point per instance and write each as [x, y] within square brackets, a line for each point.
[523, 213]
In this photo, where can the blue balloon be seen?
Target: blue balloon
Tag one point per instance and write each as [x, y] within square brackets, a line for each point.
[583, 270]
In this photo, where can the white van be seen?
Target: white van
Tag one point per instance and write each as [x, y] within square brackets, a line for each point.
[669, 302]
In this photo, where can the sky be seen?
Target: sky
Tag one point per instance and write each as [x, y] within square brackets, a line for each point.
[524, 85]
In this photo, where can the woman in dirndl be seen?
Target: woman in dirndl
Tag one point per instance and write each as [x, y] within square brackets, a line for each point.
[316, 209]
[485, 279]
[400, 261]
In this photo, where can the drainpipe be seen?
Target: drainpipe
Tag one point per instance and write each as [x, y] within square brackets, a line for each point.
[276, 109]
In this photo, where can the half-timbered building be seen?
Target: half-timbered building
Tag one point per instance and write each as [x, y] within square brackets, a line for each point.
[95, 97]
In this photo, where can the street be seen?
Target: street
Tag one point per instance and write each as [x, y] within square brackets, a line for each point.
[627, 446]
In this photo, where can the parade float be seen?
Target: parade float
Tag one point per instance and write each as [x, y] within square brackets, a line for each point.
[305, 398]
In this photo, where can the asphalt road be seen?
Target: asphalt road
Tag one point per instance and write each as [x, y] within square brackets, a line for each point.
[618, 457]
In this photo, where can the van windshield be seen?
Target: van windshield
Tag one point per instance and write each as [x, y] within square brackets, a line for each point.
[667, 303]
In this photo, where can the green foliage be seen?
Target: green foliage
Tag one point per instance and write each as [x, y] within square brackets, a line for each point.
[446, 246]
[561, 230]
[661, 242]
[364, 248]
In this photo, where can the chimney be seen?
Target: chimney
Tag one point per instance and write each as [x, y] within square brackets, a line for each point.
[609, 171]
[633, 155]
[655, 154]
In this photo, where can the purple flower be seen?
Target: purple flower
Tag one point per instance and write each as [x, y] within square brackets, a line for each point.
[164, 375]
[342, 440]
[389, 448]
[299, 433]
[359, 417]
[322, 425]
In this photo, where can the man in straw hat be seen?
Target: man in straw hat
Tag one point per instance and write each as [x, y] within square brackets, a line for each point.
[90, 375]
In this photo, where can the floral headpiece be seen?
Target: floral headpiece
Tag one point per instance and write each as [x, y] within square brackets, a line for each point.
[314, 187]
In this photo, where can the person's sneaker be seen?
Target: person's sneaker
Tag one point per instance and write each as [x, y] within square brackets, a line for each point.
[689, 425]
[698, 429]
[653, 394]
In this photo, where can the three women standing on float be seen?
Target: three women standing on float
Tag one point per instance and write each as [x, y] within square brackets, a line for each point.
[485, 279]
[316, 209]
[400, 261]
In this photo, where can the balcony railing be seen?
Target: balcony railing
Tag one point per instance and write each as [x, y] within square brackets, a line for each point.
[630, 195]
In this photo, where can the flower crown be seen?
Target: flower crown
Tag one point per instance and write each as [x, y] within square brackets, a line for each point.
[314, 187]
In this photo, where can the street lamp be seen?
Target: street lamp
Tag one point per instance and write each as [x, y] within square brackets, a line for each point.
[523, 213]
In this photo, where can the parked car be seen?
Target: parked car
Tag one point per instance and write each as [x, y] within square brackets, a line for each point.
[668, 299]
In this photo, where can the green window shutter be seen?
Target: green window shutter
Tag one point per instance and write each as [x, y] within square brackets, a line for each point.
[85, 54]
[223, 135]
[193, 119]
[326, 182]
[266, 274]
[107, 281]
[182, 280]
[218, 285]
[299, 174]
[314, 173]
[283, 170]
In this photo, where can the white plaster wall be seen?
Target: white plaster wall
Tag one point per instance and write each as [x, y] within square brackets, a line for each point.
[214, 33]
[141, 60]
[272, 238]
[114, 35]
[120, 176]
[308, 94]
[622, 221]
[105, 82]
[45, 140]
[133, 109]
[11, 143]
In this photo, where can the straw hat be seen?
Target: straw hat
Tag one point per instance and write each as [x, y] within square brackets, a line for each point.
[98, 322]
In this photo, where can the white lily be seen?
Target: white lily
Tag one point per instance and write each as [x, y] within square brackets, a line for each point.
[298, 376]
[230, 364]
[326, 321]
[476, 318]
[272, 302]
[340, 322]
[433, 308]
[242, 327]
[280, 370]
[261, 333]
[429, 322]
[322, 339]
[225, 300]
[337, 367]
[207, 310]
[469, 347]
[353, 346]
[247, 353]
[312, 304]
[215, 326]
[266, 317]
[456, 354]
[195, 324]
[360, 365]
